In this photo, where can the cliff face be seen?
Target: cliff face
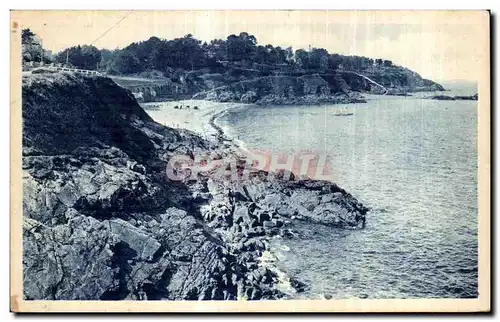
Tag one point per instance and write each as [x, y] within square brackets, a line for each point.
[62, 113]
[401, 80]
[338, 87]
[307, 89]
[101, 220]
[236, 84]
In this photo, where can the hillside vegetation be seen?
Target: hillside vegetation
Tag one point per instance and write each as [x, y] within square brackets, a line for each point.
[186, 66]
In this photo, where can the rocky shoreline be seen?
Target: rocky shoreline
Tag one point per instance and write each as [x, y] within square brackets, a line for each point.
[284, 90]
[103, 221]
[454, 98]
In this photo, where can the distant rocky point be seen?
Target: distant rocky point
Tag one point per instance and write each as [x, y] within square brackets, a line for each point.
[454, 98]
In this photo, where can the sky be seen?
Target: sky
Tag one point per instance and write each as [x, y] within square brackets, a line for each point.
[445, 45]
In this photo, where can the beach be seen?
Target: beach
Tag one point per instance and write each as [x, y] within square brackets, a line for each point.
[195, 115]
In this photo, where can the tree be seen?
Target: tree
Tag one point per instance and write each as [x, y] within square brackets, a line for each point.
[145, 51]
[261, 55]
[302, 58]
[125, 63]
[91, 56]
[107, 58]
[334, 61]
[84, 57]
[185, 52]
[27, 36]
[318, 58]
[241, 47]
[216, 49]
[387, 63]
[158, 57]
[278, 55]
[31, 45]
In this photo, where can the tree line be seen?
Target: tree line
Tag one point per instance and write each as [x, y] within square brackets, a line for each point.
[189, 53]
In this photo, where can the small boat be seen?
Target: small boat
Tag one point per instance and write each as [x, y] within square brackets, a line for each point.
[342, 111]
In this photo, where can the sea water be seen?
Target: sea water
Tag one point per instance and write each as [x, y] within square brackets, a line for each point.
[413, 161]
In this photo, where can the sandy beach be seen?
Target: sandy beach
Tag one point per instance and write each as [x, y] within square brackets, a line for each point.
[195, 115]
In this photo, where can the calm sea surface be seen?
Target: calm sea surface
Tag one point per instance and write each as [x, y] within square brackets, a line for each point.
[414, 163]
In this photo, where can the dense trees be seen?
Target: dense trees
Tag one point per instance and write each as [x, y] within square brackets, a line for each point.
[84, 57]
[382, 62]
[241, 47]
[188, 53]
[126, 63]
[185, 53]
[32, 49]
[107, 59]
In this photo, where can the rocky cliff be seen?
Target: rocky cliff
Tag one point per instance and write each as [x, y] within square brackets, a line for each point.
[287, 90]
[309, 89]
[102, 221]
[394, 79]
[236, 84]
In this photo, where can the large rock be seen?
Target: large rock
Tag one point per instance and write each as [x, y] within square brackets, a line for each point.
[95, 188]
[196, 265]
[138, 240]
[255, 191]
[67, 262]
[316, 201]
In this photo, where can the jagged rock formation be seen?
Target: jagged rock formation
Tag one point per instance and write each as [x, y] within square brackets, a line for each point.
[102, 221]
